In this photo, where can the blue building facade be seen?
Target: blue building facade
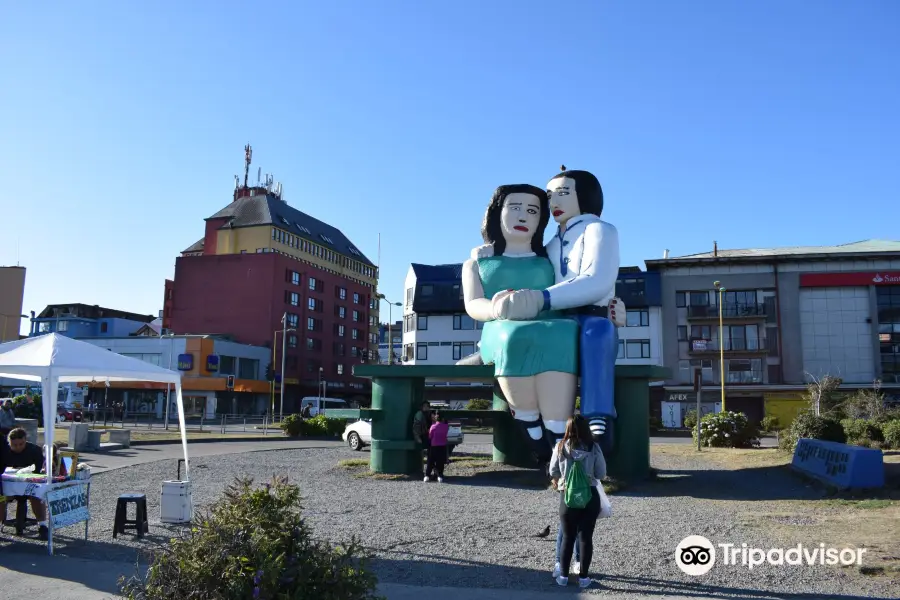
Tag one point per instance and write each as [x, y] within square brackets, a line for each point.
[84, 321]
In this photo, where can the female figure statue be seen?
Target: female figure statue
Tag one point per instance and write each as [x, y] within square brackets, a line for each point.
[535, 360]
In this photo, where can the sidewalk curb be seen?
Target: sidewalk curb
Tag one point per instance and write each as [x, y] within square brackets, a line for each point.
[273, 438]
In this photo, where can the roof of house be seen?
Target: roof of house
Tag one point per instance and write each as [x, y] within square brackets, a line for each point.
[451, 272]
[267, 209]
[196, 246]
[789, 252]
[86, 311]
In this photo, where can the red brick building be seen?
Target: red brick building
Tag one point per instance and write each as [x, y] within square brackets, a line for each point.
[259, 259]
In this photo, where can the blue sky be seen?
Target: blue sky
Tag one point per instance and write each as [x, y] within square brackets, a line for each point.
[763, 123]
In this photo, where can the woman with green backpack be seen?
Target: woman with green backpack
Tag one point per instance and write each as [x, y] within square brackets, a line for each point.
[577, 466]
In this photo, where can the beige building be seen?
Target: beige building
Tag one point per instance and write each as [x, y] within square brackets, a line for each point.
[12, 294]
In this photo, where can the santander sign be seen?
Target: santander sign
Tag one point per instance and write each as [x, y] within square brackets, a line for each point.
[849, 279]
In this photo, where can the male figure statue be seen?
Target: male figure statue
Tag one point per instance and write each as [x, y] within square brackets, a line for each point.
[585, 256]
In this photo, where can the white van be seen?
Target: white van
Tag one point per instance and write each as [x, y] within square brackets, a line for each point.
[316, 404]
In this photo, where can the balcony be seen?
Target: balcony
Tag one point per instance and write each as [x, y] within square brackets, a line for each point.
[730, 310]
[744, 377]
[733, 346]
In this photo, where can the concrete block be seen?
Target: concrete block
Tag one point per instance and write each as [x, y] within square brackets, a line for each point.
[840, 465]
[120, 436]
[78, 436]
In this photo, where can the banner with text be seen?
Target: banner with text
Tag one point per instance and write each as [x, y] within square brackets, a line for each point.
[68, 505]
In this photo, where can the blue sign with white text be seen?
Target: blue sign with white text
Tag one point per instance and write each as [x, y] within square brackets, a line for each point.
[212, 363]
[185, 362]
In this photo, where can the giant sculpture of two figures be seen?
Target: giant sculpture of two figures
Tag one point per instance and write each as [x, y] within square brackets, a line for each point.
[550, 313]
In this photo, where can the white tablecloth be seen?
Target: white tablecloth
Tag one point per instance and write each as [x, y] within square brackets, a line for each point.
[12, 487]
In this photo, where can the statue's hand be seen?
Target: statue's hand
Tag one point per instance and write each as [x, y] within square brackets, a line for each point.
[500, 304]
[485, 251]
[617, 312]
[525, 305]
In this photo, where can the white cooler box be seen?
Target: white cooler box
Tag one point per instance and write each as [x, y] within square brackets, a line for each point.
[175, 503]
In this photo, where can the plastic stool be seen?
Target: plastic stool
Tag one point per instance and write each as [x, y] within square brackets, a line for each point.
[139, 524]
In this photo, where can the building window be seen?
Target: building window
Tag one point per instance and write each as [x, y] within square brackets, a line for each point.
[373, 338]
[409, 296]
[422, 323]
[339, 349]
[104, 327]
[680, 301]
[407, 351]
[293, 277]
[427, 290]
[341, 292]
[620, 353]
[249, 368]
[741, 337]
[698, 298]
[744, 371]
[227, 365]
[371, 320]
[356, 298]
[457, 291]
[888, 302]
[62, 326]
[682, 333]
[339, 330]
[292, 341]
[409, 323]
[339, 369]
[701, 332]
[422, 351]
[356, 317]
[637, 318]
[355, 334]
[313, 344]
[315, 284]
[463, 322]
[313, 324]
[340, 312]
[637, 349]
[292, 320]
[372, 304]
[292, 298]
[463, 349]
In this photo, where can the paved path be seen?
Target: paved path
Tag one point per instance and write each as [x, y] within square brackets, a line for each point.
[39, 576]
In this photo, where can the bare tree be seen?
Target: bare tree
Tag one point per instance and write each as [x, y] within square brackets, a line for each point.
[821, 393]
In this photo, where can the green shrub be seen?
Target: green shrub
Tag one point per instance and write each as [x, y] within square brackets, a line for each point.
[769, 423]
[479, 404]
[891, 432]
[690, 419]
[727, 430]
[318, 426]
[862, 430]
[292, 425]
[655, 424]
[808, 425]
[254, 543]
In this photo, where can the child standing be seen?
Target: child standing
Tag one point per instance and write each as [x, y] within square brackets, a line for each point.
[437, 449]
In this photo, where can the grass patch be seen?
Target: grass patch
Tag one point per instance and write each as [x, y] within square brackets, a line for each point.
[612, 486]
[470, 461]
[871, 503]
[380, 476]
[353, 463]
[731, 459]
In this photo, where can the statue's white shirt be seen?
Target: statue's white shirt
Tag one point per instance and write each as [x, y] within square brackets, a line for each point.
[585, 258]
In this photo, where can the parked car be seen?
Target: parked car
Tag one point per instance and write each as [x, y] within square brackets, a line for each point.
[64, 415]
[359, 434]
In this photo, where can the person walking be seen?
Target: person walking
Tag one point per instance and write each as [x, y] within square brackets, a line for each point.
[7, 418]
[576, 468]
[437, 448]
[421, 425]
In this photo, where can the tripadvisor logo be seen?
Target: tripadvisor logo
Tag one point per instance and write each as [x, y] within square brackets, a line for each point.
[696, 555]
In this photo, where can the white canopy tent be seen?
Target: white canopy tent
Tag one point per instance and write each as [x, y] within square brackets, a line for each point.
[52, 359]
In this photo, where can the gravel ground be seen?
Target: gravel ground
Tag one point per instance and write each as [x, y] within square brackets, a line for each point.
[478, 528]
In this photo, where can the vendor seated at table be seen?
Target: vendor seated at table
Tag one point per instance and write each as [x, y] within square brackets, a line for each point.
[17, 454]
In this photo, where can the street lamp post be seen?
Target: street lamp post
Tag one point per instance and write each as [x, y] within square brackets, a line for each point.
[390, 324]
[720, 289]
[171, 337]
[320, 388]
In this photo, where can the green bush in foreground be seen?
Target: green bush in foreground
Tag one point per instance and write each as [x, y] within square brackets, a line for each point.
[690, 419]
[891, 432]
[808, 425]
[254, 544]
[862, 432]
[727, 430]
[318, 426]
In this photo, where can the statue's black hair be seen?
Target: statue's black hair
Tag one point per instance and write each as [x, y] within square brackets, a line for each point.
[590, 194]
[491, 229]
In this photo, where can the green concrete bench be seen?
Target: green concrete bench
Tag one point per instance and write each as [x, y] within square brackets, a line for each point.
[398, 392]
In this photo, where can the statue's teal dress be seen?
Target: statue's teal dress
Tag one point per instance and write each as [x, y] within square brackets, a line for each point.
[525, 348]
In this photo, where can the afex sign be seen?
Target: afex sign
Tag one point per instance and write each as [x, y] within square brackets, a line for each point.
[849, 279]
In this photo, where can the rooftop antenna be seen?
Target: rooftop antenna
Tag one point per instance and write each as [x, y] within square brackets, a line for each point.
[237, 182]
[258, 175]
[248, 156]
[715, 248]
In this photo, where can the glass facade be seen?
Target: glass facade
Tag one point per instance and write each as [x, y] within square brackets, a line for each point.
[888, 298]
